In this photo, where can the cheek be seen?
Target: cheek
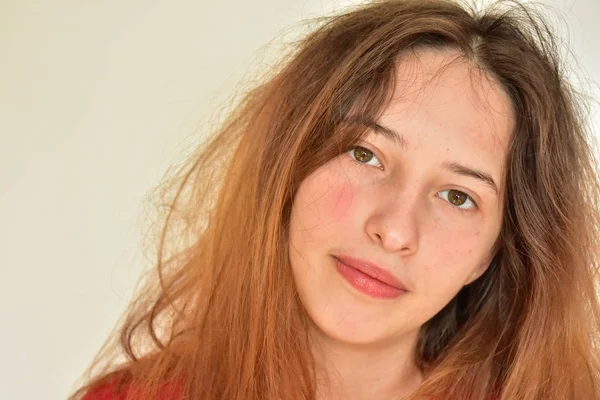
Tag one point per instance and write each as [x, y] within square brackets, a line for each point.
[455, 237]
[337, 201]
[327, 196]
[453, 253]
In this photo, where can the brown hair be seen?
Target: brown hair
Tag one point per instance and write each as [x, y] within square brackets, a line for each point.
[223, 318]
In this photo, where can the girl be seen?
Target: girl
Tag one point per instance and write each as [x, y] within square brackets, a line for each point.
[405, 209]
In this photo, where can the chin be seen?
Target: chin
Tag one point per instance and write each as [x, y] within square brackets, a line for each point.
[349, 321]
[352, 336]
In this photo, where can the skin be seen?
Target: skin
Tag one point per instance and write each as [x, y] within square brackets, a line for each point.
[394, 210]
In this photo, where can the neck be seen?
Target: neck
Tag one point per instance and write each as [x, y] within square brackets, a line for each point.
[365, 372]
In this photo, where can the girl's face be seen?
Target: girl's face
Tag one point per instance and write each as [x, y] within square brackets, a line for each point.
[384, 236]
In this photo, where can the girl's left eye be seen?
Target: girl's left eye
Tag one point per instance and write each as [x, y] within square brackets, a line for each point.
[461, 200]
[363, 155]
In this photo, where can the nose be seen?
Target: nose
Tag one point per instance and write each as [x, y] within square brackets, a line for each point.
[394, 223]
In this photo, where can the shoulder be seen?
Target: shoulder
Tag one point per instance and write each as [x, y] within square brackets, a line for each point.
[116, 391]
[107, 391]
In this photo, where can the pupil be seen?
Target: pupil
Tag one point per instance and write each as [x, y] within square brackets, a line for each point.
[457, 198]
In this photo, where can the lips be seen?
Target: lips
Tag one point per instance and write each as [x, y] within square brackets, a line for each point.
[369, 278]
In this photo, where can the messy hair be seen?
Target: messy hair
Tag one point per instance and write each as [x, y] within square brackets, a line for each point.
[222, 318]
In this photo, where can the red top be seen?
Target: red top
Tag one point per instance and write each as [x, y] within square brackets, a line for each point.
[110, 391]
[167, 392]
[106, 392]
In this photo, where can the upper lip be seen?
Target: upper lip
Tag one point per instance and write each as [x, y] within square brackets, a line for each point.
[372, 270]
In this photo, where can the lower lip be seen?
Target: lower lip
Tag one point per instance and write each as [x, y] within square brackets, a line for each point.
[366, 283]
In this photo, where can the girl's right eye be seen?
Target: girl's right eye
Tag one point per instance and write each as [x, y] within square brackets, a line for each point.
[362, 155]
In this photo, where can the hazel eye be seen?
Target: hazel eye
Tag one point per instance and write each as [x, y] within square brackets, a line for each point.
[363, 155]
[459, 199]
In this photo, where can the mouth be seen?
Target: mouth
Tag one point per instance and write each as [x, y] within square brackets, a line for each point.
[369, 278]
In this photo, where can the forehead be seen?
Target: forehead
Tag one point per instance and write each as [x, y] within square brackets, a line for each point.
[445, 104]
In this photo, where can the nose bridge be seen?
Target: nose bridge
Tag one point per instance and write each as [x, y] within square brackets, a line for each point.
[394, 222]
[403, 203]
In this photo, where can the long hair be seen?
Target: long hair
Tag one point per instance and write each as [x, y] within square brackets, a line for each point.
[220, 317]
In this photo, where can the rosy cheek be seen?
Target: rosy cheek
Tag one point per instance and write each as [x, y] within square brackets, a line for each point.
[337, 201]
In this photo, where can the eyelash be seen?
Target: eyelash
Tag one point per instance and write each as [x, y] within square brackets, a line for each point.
[455, 207]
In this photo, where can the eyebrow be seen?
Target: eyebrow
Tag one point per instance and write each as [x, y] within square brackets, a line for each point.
[388, 133]
[398, 139]
[471, 173]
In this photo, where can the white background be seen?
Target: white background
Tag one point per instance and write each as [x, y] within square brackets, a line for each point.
[97, 99]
